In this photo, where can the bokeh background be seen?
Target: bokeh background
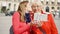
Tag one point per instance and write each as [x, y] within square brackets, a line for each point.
[8, 7]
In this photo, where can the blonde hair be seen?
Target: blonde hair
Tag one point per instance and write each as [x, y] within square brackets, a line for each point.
[21, 5]
[37, 3]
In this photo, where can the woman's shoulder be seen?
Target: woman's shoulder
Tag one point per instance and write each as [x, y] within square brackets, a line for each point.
[16, 13]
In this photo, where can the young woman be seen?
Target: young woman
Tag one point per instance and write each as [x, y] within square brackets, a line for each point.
[47, 27]
[18, 20]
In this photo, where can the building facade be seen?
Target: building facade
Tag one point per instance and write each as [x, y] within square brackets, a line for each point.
[12, 5]
[8, 4]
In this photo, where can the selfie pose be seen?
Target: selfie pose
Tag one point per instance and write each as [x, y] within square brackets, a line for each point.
[19, 19]
[25, 21]
[43, 25]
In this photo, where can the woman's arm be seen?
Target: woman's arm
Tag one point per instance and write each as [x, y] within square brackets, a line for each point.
[19, 27]
[53, 26]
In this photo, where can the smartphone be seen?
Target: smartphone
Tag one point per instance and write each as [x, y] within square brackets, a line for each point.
[27, 17]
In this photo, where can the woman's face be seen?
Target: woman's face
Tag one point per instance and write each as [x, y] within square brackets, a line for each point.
[36, 7]
[24, 6]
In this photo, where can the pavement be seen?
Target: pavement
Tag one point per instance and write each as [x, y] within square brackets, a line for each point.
[57, 22]
[2, 14]
[6, 22]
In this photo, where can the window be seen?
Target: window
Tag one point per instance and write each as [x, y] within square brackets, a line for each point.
[52, 3]
[3, 9]
[58, 3]
[42, 2]
[58, 8]
[46, 2]
[47, 9]
[14, 6]
[52, 7]
[9, 4]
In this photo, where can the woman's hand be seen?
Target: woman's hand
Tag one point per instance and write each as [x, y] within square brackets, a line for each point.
[39, 23]
[36, 23]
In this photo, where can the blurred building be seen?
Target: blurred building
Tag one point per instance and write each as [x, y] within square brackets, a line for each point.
[8, 4]
[12, 5]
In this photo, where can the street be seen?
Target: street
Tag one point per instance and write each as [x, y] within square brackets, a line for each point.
[6, 22]
[57, 22]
